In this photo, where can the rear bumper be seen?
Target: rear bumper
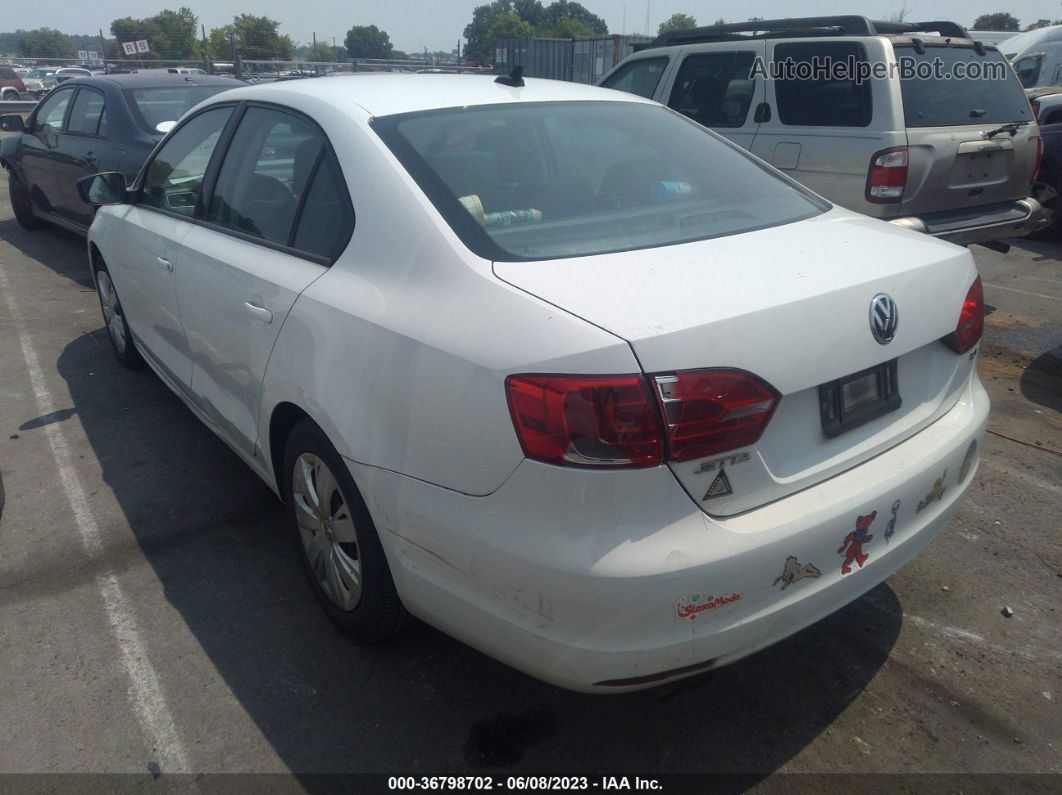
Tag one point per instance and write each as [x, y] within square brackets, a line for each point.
[978, 224]
[604, 582]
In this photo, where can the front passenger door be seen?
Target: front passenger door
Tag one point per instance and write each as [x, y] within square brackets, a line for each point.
[38, 146]
[148, 253]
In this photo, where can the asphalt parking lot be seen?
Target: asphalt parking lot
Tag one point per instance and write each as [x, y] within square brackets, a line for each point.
[154, 618]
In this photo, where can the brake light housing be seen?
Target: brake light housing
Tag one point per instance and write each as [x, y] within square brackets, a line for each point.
[631, 421]
[971, 320]
[1039, 158]
[887, 176]
[708, 412]
[586, 421]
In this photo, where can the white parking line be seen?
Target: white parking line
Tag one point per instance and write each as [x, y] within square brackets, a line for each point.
[145, 690]
[1023, 292]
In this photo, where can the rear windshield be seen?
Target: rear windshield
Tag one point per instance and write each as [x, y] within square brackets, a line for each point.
[153, 106]
[939, 97]
[541, 180]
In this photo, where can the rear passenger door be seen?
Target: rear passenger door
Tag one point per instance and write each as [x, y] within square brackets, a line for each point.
[820, 129]
[717, 87]
[278, 215]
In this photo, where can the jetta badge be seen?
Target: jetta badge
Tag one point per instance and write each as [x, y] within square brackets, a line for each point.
[884, 318]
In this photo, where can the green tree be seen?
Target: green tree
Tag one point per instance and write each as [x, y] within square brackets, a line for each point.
[256, 39]
[367, 41]
[560, 19]
[567, 28]
[560, 10]
[478, 45]
[1040, 23]
[510, 26]
[1001, 20]
[677, 22]
[45, 43]
[171, 35]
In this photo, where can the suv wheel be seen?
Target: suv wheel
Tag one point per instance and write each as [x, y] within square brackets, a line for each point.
[1047, 190]
[10, 94]
[340, 549]
[21, 204]
[114, 319]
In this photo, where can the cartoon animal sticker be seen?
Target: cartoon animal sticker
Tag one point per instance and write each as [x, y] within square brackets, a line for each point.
[689, 607]
[852, 548]
[793, 571]
[935, 493]
[890, 528]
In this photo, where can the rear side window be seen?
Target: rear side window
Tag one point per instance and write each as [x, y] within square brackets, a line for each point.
[87, 114]
[174, 178]
[823, 100]
[326, 220]
[265, 174]
[1028, 69]
[7, 73]
[638, 77]
[944, 100]
[715, 89]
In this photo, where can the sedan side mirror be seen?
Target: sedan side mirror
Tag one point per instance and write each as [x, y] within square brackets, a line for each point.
[106, 188]
[12, 123]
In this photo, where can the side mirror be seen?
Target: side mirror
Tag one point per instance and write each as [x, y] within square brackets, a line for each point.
[107, 188]
[12, 123]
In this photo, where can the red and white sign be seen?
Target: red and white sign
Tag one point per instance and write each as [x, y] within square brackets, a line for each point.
[129, 47]
[142, 46]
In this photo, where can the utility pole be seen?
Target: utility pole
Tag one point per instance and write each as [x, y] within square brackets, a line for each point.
[648, 7]
[208, 62]
[103, 50]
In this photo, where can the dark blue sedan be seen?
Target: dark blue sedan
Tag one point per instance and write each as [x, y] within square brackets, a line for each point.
[89, 125]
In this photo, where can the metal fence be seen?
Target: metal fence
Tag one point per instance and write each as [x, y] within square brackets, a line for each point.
[549, 58]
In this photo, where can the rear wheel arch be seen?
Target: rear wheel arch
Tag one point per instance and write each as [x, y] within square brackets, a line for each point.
[282, 421]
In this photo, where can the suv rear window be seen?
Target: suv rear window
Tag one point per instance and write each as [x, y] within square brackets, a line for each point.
[826, 101]
[943, 100]
[543, 180]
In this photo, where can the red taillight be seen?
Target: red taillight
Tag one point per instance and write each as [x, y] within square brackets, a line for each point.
[971, 320]
[887, 177]
[1039, 158]
[580, 420]
[712, 411]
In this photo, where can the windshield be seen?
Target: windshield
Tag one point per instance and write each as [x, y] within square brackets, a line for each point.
[940, 98]
[155, 106]
[546, 180]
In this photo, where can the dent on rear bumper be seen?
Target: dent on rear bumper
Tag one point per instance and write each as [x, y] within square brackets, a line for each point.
[586, 578]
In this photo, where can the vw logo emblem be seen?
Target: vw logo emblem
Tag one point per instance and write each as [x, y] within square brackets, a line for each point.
[884, 318]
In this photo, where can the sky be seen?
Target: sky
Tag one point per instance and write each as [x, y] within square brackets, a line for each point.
[437, 24]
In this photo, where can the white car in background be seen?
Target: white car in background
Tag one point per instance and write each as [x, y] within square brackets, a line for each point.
[550, 367]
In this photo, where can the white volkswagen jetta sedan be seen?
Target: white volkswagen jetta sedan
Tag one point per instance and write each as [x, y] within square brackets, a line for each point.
[550, 367]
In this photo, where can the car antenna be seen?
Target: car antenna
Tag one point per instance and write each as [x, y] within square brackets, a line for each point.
[515, 78]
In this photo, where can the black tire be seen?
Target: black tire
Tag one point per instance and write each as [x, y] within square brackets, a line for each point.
[114, 322]
[21, 204]
[1048, 190]
[378, 612]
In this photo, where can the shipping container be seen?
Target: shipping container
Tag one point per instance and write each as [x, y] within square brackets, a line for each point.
[549, 58]
[593, 57]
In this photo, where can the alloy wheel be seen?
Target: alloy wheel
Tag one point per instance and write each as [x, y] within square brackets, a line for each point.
[112, 311]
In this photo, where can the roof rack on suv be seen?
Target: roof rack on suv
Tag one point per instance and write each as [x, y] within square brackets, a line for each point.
[806, 26]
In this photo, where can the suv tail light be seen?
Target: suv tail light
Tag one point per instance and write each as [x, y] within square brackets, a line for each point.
[1039, 158]
[971, 320]
[582, 420]
[887, 177]
[712, 411]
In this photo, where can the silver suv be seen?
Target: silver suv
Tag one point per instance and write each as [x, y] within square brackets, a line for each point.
[892, 131]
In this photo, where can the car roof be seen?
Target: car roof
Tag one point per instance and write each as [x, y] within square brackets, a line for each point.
[392, 93]
[153, 79]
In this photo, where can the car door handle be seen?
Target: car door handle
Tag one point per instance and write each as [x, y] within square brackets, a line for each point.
[259, 313]
[165, 263]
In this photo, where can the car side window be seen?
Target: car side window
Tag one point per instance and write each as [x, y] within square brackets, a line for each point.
[822, 100]
[86, 116]
[638, 77]
[1028, 69]
[715, 89]
[53, 110]
[174, 177]
[266, 171]
[326, 220]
